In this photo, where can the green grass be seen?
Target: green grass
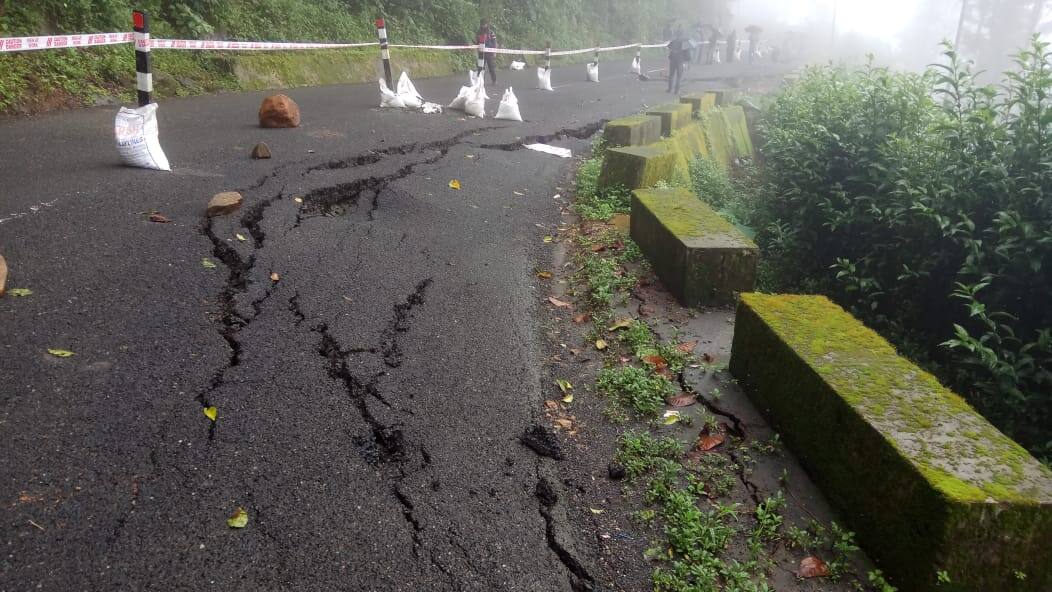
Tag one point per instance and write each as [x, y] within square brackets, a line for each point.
[604, 278]
[638, 389]
[595, 203]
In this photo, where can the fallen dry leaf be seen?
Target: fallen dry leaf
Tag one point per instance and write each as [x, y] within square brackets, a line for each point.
[581, 318]
[575, 351]
[812, 567]
[563, 423]
[681, 400]
[454, 184]
[601, 344]
[548, 239]
[241, 237]
[596, 511]
[659, 363]
[211, 412]
[207, 263]
[568, 398]
[549, 404]
[645, 310]
[598, 248]
[239, 519]
[687, 346]
[559, 303]
[707, 357]
[621, 324]
[544, 275]
[671, 417]
[60, 353]
[564, 385]
[707, 440]
[159, 218]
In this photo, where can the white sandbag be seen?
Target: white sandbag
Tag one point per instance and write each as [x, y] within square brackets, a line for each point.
[475, 105]
[544, 79]
[461, 100]
[637, 67]
[408, 93]
[593, 71]
[509, 107]
[473, 77]
[517, 65]
[136, 133]
[388, 98]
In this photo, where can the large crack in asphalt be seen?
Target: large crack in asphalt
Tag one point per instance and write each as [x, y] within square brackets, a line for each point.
[385, 444]
[580, 579]
[581, 133]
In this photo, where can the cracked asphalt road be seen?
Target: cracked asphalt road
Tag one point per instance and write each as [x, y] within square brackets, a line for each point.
[369, 402]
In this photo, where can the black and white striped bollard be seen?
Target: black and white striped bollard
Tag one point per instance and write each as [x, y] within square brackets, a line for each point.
[548, 55]
[385, 51]
[143, 64]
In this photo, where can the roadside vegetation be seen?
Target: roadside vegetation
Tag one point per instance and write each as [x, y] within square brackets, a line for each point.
[922, 203]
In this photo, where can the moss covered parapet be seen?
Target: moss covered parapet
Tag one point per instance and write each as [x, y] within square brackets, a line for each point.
[701, 258]
[673, 116]
[925, 481]
[635, 130]
[637, 166]
[699, 102]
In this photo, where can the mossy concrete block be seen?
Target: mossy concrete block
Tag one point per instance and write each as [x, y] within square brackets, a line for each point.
[636, 130]
[699, 102]
[701, 258]
[720, 145]
[737, 128]
[685, 145]
[637, 166]
[673, 117]
[926, 483]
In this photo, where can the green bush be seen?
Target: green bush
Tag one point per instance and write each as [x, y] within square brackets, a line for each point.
[923, 203]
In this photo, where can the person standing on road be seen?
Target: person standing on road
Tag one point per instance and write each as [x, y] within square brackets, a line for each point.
[678, 56]
[489, 38]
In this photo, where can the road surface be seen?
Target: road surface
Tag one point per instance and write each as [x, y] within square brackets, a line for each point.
[369, 400]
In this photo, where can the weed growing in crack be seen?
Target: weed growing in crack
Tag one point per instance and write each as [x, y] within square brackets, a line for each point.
[768, 519]
[639, 451]
[634, 388]
[643, 342]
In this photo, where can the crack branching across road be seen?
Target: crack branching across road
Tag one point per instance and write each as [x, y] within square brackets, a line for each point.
[384, 444]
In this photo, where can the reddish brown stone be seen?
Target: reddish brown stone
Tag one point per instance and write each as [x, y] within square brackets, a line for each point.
[279, 111]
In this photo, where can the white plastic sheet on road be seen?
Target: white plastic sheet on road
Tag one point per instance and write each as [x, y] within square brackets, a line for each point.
[136, 133]
[548, 149]
[509, 107]
[544, 78]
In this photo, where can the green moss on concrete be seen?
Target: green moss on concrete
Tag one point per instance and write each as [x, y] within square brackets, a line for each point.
[635, 130]
[702, 102]
[637, 166]
[926, 482]
[737, 131]
[719, 143]
[673, 117]
[700, 257]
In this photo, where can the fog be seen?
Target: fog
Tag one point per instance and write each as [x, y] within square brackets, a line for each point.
[900, 33]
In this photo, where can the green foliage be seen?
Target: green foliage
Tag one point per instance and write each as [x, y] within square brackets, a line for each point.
[595, 203]
[638, 389]
[900, 194]
[604, 278]
[638, 452]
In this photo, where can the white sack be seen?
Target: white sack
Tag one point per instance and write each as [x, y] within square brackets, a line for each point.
[509, 107]
[430, 108]
[408, 93]
[136, 133]
[475, 105]
[544, 79]
[473, 77]
[593, 71]
[637, 68]
[388, 98]
[461, 100]
[517, 65]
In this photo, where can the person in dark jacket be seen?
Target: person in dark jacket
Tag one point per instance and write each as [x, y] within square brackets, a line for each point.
[489, 38]
[678, 56]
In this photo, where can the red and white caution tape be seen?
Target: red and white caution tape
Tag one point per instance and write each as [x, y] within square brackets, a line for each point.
[249, 45]
[11, 44]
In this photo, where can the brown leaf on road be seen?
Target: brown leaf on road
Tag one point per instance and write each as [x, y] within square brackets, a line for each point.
[659, 363]
[681, 400]
[549, 404]
[581, 318]
[544, 275]
[708, 439]
[620, 324]
[812, 567]
[559, 303]
[598, 248]
[687, 346]
[563, 423]
[159, 218]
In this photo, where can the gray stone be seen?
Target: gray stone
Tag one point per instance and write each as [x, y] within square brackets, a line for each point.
[261, 151]
[224, 203]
